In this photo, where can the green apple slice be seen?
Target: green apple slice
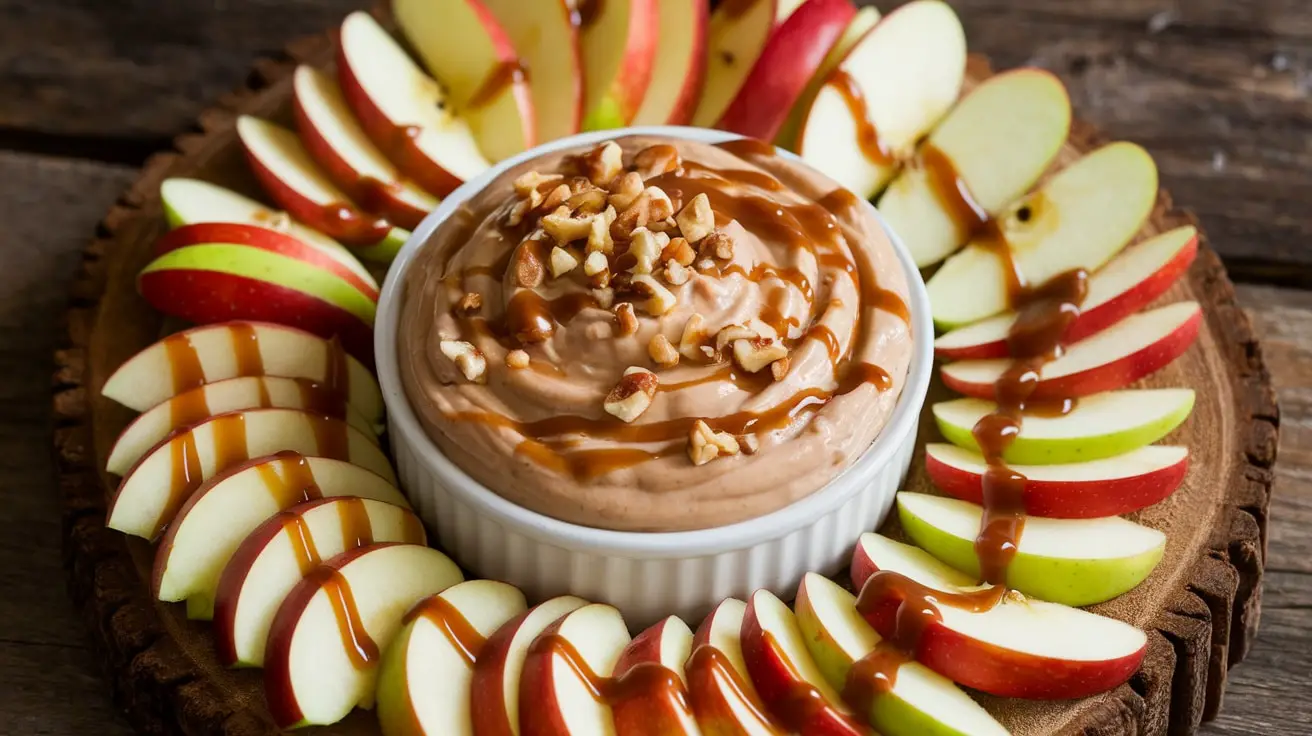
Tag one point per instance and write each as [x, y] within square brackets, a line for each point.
[1000, 138]
[1076, 562]
[921, 703]
[1080, 218]
[1100, 426]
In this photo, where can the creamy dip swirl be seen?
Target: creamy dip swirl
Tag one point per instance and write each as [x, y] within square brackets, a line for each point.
[808, 268]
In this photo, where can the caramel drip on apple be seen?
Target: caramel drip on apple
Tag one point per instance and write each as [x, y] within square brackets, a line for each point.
[499, 78]
[337, 376]
[462, 635]
[634, 696]
[296, 484]
[189, 403]
[229, 447]
[246, 349]
[357, 527]
[317, 399]
[586, 12]
[360, 647]
[377, 196]
[331, 437]
[351, 226]
[867, 136]
[302, 541]
[708, 665]
[802, 708]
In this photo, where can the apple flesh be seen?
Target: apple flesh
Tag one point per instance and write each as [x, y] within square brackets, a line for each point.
[1077, 562]
[1088, 490]
[319, 666]
[544, 34]
[1000, 139]
[865, 19]
[155, 488]
[791, 57]
[908, 70]
[404, 111]
[556, 690]
[339, 145]
[494, 690]
[1021, 648]
[656, 658]
[211, 525]
[221, 397]
[618, 47]
[788, 679]
[464, 47]
[735, 35]
[425, 679]
[921, 700]
[720, 690]
[1100, 426]
[1080, 218]
[679, 69]
[151, 376]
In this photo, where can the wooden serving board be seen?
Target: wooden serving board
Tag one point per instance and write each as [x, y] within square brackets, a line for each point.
[1200, 608]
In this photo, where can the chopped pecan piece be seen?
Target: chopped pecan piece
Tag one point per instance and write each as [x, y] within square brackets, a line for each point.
[562, 262]
[705, 444]
[470, 304]
[632, 395]
[662, 351]
[626, 319]
[659, 299]
[468, 359]
[696, 220]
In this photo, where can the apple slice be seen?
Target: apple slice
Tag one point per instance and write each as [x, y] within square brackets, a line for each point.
[547, 39]
[283, 549]
[1088, 490]
[1021, 648]
[221, 513]
[425, 679]
[791, 57]
[1131, 281]
[291, 179]
[404, 111]
[893, 87]
[1080, 218]
[205, 355]
[464, 47]
[494, 691]
[339, 145]
[999, 140]
[654, 660]
[720, 691]
[618, 46]
[788, 679]
[1077, 562]
[1100, 426]
[221, 397]
[735, 36]
[565, 671]
[322, 656]
[192, 201]
[1136, 347]
[921, 700]
[679, 69]
[156, 487]
[865, 19]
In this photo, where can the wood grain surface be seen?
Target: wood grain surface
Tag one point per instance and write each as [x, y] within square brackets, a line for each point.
[1216, 89]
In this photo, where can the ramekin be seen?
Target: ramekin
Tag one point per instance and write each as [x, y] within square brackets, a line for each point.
[646, 575]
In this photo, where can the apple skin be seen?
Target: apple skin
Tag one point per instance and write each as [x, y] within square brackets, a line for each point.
[669, 716]
[619, 103]
[540, 695]
[1098, 318]
[206, 284]
[714, 699]
[547, 39]
[1087, 499]
[790, 58]
[1070, 582]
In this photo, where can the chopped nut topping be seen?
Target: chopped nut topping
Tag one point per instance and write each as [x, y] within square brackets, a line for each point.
[779, 368]
[579, 184]
[677, 275]
[517, 359]
[470, 304]
[626, 319]
[705, 444]
[745, 331]
[632, 395]
[659, 299]
[599, 239]
[603, 163]
[645, 249]
[679, 251]
[624, 189]
[595, 263]
[556, 198]
[756, 353]
[662, 351]
[696, 220]
[637, 215]
[468, 359]
[690, 342]
[527, 266]
[533, 182]
[661, 206]
[564, 227]
[749, 444]
[588, 202]
[605, 297]
[562, 262]
[656, 160]
[705, 264]
[718, 244]
[518, 212]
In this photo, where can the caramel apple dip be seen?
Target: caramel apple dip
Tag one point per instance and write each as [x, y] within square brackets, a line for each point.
[656, 334]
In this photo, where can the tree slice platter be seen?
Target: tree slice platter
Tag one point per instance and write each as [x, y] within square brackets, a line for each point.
[1200, 607]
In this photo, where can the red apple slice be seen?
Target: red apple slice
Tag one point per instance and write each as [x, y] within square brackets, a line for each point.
[1110, 487]
[1022, 648]
[788, 679]
[494, 691]
[292, 180]
[735, 36]
[1136, 347]
[865, 19]
[618, 45]
[404, 111]
[719, 689]
[221, 397]
[204, 355]
[464, 47]
[339, 145]
[790, 58]
[565, 666]
[655, 659]
[546, 37]
[425, 682]
[328, 635]
[680, 65]
[282, 550]
[1131, 281]
[155, 488]
[225, 509]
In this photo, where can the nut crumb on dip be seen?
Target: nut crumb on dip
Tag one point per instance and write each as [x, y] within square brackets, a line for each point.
[627, 326]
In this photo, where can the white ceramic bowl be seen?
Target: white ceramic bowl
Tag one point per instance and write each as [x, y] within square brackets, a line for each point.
[646, 575]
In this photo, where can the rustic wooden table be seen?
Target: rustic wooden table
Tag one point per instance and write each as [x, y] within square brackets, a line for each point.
[1218, 90]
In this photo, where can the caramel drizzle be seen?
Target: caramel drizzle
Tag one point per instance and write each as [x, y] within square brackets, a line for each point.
[636, 694]
[359, 645]
[296, 482]
[585, 13]
[802, 707]
[867, 136]
[462, 635]
[499, 78]
[707, 664]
